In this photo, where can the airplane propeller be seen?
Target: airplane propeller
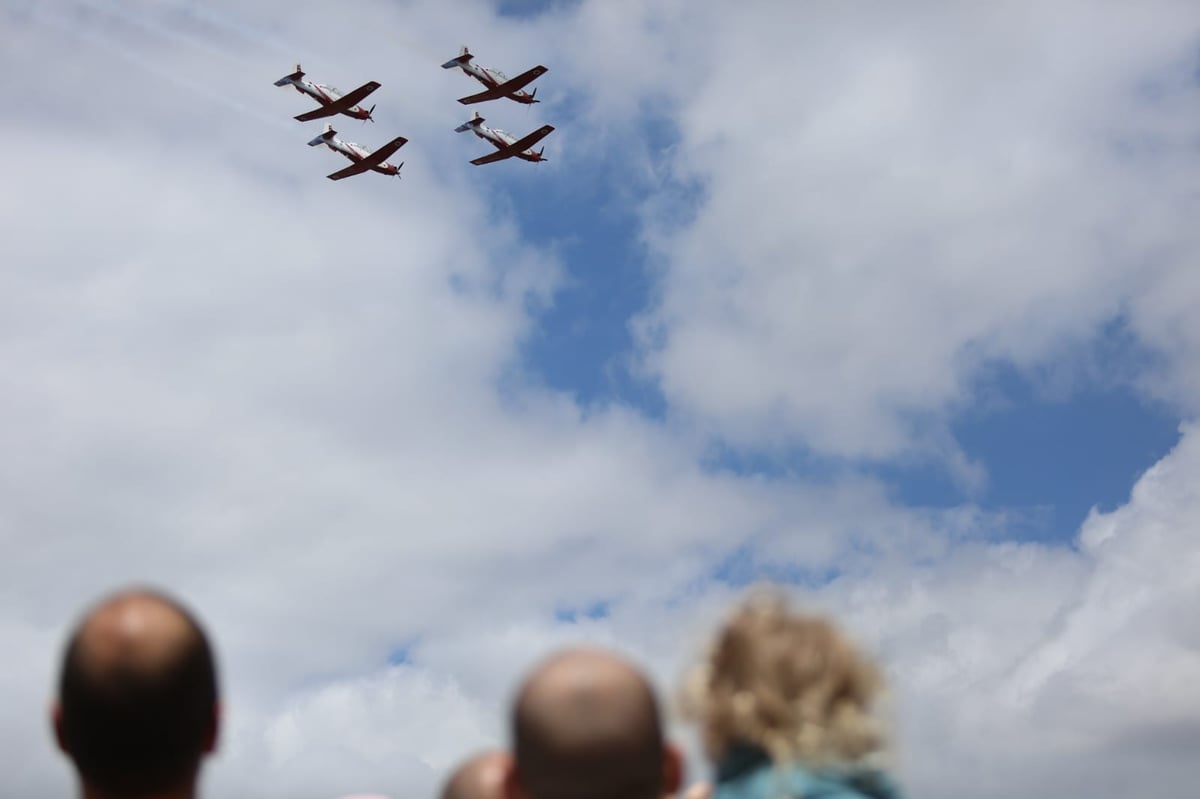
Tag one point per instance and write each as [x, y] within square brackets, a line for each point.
[369, 117]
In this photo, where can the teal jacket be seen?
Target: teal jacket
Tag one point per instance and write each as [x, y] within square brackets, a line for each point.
[748, 773]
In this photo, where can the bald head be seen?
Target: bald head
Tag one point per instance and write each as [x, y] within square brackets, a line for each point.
[586, 726]
[137, 696]
[480, 777]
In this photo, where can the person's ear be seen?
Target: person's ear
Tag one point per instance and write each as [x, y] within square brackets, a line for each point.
[214, 730]
[494, 776]
[56, 719]
[672, 770]
[511, 786]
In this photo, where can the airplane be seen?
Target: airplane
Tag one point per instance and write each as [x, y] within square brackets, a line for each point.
[498, 84]
[364, 160]
[332, 101]
[507, 145]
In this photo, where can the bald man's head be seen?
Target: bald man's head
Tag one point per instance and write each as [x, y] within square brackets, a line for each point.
[586, 726]
[137, 696]
[479, 777]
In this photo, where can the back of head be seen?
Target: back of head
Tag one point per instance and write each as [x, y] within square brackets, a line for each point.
[137, 696]
[586, 726]
[787, 683]
[479, 777]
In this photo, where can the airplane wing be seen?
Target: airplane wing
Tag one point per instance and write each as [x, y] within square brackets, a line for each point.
[317, 113]
[499, 155]
[354, 169]
[531, 139]
[518, 146]
[379, 156]
[374, 159]
[343, 103]
[506, 88]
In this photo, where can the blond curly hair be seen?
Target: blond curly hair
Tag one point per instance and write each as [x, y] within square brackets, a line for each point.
[789, 683]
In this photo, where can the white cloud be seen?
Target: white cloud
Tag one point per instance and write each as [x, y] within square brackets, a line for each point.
[891, 199]
[1015, 667]
[1085, 686]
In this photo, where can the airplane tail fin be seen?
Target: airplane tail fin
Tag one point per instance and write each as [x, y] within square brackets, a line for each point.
[464, 55]
[472, 122]
[295, 76]
[324, 137]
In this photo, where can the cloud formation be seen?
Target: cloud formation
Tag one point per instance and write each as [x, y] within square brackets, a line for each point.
[893, 200]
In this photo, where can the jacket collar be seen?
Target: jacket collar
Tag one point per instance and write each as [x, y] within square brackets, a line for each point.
[740, 759]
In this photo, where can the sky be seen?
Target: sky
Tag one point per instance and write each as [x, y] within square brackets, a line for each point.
[892, 304]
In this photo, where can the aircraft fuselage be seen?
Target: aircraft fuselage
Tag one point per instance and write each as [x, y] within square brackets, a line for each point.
[356, 152]
[501, 139]
[325, 95]
[492, 78]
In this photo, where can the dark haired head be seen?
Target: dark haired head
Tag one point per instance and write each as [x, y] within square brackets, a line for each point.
[137, 696]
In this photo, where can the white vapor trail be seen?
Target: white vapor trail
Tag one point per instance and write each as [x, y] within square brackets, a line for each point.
[188, 83]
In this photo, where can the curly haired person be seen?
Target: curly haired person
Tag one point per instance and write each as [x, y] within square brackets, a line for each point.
[786, 708]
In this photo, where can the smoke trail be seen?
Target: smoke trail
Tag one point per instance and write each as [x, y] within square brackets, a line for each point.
[147, 23]
[262, 37]
[188, 83]
[259, 37]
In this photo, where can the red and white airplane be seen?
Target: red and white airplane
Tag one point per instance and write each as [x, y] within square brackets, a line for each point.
[332, 101]
[498, 84]
[364, 160]
[507, 145]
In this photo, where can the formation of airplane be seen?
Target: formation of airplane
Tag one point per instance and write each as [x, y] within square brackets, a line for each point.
[498, 84]
[362, 159]
[331, 102]
[507, 145]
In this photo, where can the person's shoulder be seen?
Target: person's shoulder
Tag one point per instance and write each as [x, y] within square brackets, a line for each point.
[769, 781]
[865, 784]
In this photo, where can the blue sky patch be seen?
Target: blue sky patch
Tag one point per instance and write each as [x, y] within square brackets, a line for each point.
[1067, 454]
[1055, 442]
[591, 612]
[527, 9]
[583, 342]
[744, 567]
[403, 654]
